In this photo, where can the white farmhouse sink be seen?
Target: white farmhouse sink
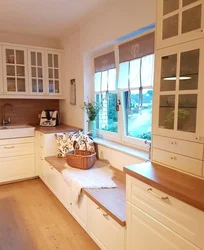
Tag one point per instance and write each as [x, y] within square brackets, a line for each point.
[9, 132]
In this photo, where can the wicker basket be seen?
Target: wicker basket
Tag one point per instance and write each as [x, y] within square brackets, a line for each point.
[81, 159]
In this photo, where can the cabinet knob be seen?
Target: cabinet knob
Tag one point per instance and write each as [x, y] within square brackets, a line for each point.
[173, 143]
[198, 138]
[173, 158]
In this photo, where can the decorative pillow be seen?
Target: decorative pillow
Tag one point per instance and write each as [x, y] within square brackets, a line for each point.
[65, 142]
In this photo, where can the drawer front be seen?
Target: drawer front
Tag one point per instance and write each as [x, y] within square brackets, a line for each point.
[17, 141]
[183, 163]
[107, 233]
[186, 220]
[11, 150]
[15, 168]
[191, 149]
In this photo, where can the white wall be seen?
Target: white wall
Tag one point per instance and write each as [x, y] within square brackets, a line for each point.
[114, 20]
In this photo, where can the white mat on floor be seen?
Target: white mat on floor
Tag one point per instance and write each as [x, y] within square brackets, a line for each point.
[100, 176]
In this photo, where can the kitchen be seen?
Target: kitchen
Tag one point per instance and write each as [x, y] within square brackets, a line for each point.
[160, 200]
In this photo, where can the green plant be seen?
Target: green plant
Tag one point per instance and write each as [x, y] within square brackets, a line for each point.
[92, 109]
[182, 115]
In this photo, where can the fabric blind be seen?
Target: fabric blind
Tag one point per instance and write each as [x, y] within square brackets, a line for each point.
[104, 62]
[137, 48]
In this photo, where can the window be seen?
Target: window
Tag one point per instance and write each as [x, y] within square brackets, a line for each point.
[133, 90]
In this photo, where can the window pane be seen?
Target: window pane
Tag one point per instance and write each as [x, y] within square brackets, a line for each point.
[123, 75]
[97, 82]
[170, 27]
[104, 83]
[112, 80]
[147, 71]
[138, 118]
[135, 73]
[108, 116]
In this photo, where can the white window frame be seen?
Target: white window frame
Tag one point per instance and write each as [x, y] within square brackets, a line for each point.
[121, 136]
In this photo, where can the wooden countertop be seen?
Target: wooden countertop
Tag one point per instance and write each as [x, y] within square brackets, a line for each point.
[58, 129]
[111, 200]
[184, 187]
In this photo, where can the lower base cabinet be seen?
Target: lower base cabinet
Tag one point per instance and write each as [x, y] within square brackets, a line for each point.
[106, 232]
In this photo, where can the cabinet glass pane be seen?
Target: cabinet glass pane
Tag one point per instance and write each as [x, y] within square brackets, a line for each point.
[187, 2]
[33, 72]
[187, 111]
[167, 111]
[21, 87]
[168, 73]
[50, 60]
[40, 86]
[50, 71]
[10, 57]
[56, 64]
[20, 71]
[40, 73]
[33, 58]
[189, 70]
[170, 6]
[39, 56]
[56, 86]
[11, 84]
[10, 70]
[19, 57]
[56, 71]
[191, 19]
[34, 85]
[170, 27]
[51, 86]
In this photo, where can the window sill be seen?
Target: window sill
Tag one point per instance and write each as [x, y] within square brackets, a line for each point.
[140, 154]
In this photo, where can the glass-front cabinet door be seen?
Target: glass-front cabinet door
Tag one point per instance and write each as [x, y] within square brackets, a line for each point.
[179, 21]
[179, 92]
[53, 72]
[36, 71]
[15, 70]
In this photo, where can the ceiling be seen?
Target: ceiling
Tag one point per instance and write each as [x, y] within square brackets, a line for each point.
[48, 18]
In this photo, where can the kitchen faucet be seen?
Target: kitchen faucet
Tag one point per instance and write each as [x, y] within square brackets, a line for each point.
[4, 122]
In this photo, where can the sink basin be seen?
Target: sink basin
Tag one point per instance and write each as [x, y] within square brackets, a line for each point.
[16, 131]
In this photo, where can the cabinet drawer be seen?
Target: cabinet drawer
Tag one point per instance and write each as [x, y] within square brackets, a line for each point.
[191, 149]
[11, 150]
[183, 163]
[106, 232]
[14, 168]
[186, 220]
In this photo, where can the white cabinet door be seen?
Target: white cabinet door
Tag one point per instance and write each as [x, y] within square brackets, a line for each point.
[106, 232]
[178, 93]
[15, 168]
[53, 68]
[37, 71]
[1, 73]
[179, 21]
[145, 233]
[15, 68]
[66, 195]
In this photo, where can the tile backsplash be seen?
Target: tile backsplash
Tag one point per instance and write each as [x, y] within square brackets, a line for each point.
[27, 110]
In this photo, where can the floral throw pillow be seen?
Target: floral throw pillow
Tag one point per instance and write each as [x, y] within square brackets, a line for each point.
[66, 141]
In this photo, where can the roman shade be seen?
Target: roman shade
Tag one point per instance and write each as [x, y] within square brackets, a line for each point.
[104, 62]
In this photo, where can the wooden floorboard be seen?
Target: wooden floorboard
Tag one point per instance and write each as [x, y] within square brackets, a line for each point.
[31, 218]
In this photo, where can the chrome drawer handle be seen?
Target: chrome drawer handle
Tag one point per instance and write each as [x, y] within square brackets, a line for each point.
[156, 195]
[9, 147]
[104, 214]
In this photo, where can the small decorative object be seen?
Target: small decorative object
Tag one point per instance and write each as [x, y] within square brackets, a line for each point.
[81, 159]
[10, 58]
[73, 92]
[92, 109]
[183, 116]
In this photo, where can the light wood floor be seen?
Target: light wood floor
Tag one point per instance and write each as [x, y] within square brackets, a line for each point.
[31, 218]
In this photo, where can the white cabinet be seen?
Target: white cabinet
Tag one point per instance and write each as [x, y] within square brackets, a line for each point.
[17, 159]
[106, 232]
[146, 233]
[1, 74]
[37, 79]
[179, 21]
[15, 68]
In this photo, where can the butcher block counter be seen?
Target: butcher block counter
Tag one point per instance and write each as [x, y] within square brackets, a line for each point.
[179, 185]
[62, 128]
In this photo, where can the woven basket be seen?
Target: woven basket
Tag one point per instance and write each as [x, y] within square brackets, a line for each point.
[81, 159]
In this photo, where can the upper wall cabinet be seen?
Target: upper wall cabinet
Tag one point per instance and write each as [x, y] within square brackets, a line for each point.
[15, 70]
[37, 71]
[179, 21]
[179, 88]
